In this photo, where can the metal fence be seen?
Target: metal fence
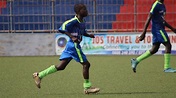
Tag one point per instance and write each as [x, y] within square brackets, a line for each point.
[104, 15]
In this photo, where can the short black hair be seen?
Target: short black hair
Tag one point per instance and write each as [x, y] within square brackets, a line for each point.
[78, 7]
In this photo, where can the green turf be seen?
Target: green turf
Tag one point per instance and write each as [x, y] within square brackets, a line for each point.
[113, 74]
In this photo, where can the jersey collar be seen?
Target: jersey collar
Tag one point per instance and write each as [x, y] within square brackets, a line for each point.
[78, 19]
[159, 2]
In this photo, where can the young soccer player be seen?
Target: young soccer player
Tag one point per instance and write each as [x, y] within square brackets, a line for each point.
[160, 36]
[74, 29]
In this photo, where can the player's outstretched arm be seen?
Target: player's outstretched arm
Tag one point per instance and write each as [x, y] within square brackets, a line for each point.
[89, 35]
[142, 36]
[169, 26]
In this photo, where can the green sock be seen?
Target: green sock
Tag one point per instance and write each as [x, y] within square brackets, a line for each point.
[47, 71]
[166, 60]
[86, 80]
[87, 83]
[143, 56]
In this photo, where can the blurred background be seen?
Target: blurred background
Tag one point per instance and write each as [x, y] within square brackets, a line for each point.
[104, 15]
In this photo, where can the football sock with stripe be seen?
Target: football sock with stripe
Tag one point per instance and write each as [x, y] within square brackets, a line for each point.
[166, 60]
[143, 56]
[47, 71]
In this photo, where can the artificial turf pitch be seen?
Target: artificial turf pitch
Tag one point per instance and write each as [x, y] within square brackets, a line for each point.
[113, 74]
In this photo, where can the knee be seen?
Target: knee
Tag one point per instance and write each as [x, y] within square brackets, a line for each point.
[87, 65]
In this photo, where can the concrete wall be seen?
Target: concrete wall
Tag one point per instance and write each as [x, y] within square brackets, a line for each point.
[27, 44]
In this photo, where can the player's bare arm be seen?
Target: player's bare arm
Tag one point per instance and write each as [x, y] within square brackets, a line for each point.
[89, 35]
[142, 36]
[169, 26]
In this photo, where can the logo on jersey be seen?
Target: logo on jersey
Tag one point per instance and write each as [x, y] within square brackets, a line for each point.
[161, 11]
